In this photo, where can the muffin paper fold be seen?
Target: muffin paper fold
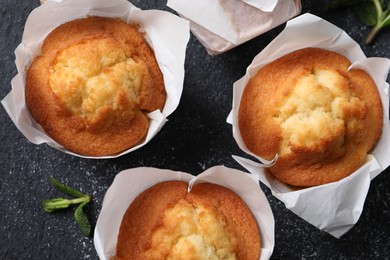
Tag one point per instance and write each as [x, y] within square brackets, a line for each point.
[223, 25]
[166, 33]
[335, 207]
[128, 184]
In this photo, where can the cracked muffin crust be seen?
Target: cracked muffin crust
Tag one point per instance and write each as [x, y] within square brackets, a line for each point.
[167, 222]
[319, 117]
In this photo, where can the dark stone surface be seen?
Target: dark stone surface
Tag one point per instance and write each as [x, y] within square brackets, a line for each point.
[195, 138]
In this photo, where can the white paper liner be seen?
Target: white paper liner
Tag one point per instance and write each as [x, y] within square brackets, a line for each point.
[263, 5]
[166, 33]
[128, 184]
[223, 25]
[337, 206]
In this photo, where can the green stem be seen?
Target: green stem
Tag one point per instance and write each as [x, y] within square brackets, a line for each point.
[55, 204]
[381, 21]
[379, 10]
[67, 202]
[372, 33]
[80, 200]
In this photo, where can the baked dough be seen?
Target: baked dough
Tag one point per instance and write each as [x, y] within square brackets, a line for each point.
[319, 117]
[167, 222]
[93, 84]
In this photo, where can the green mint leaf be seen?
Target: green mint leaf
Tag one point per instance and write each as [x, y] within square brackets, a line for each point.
[64, 188]
[55, 204]
[82, 219]
[52, 205]
[367, 13]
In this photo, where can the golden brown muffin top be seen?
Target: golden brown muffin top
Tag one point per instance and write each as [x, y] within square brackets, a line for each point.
[93, 84]
[94, 75]
[318, 116]
[209, 222]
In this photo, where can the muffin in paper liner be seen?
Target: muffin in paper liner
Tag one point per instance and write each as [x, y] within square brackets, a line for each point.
[334, 207]
[128, 184]
[166, 34]
[223, 25]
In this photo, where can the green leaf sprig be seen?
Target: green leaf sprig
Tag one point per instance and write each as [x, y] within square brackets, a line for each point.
[374, 13]
[55, 204]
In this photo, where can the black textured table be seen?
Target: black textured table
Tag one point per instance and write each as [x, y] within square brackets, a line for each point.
[195, 138]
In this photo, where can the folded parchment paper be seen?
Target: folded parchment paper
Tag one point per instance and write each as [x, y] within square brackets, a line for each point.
[334, 207]
[223, 25]
[166, 33]
[129, 183]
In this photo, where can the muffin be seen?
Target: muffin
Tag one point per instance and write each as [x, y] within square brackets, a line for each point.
[93, 85]
[320, 118]
[168, 222]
